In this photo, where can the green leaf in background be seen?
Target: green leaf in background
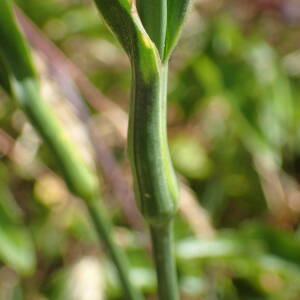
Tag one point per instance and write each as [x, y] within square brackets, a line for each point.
[190, 158]
[4, 80]
[16, 246]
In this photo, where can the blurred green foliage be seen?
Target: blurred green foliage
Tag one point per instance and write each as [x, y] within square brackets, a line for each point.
[234, 136]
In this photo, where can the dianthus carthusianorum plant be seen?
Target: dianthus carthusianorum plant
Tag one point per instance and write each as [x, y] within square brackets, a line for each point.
[148, 31]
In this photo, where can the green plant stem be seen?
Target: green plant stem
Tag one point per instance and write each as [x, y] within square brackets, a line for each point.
[154, 178]
[163, 251]
[155, 181]
[103, 227]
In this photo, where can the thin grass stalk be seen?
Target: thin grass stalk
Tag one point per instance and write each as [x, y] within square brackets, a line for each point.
[103, 227]
[82, 182]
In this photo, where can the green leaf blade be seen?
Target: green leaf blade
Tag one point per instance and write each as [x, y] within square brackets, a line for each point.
[176, 14]
[153, 14]
[16, 245]
[123, 19]
[13, 47]
[25, 89]
[16, 248]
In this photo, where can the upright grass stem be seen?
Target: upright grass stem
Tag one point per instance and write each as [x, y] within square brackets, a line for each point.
[103, 227]
[82, 182]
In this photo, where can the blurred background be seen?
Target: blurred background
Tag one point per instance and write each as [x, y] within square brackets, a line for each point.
[234, 116]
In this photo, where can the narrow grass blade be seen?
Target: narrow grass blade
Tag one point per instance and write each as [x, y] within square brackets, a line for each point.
[176, 14]
[150, 10]
[81, 181]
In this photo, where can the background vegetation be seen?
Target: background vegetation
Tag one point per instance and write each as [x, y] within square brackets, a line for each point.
[235, 140]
